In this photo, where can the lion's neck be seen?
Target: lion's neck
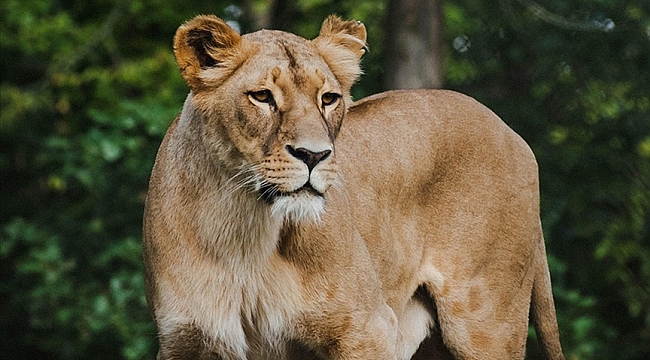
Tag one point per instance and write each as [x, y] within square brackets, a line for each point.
[231, 224]
[237, 228]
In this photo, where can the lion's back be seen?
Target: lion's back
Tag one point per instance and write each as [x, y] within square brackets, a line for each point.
[436, 169]
[406, 137]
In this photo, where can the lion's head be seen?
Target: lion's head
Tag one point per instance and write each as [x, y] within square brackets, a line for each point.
[272, 104]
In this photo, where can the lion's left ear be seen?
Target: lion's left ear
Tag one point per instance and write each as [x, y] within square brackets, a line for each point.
[341, 44]
[202, 43]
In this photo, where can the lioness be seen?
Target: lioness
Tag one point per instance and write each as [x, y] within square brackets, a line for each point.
[285, 222]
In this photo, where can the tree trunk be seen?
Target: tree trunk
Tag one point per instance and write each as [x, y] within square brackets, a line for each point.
[413, 46]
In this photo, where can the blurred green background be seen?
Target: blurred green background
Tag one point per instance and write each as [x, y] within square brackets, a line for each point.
[88, 88]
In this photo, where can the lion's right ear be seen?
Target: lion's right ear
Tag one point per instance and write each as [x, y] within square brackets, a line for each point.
[201, 43]
[341, 44]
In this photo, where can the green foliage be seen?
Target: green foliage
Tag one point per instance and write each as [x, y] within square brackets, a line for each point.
[87, 90]
[86, 98]
[579, 95]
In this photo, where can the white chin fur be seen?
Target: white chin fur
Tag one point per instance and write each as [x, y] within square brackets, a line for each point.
[298, 208]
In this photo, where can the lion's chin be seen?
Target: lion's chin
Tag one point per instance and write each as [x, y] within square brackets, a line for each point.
[299, 206]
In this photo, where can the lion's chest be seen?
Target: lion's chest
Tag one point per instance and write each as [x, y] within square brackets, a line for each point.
[238, 309]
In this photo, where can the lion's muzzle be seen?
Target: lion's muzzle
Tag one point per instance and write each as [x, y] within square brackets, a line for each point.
[304, 200]
[309, 157]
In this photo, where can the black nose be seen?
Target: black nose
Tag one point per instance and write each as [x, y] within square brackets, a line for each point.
[307, 156]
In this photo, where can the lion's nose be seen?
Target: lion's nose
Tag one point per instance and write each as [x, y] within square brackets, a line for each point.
[309, 157]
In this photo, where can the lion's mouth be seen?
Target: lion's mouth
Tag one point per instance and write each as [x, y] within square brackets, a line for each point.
[270, 193]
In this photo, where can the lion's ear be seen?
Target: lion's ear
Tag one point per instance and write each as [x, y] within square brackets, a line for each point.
[349, 34]
[201, 43]
[341, 44]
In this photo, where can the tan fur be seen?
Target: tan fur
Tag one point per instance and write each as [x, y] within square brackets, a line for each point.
[277, 229]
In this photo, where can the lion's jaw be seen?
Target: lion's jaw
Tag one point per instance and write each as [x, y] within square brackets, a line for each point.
[298, 207]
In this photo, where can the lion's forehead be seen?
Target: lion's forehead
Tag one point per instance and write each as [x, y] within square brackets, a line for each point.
[291, 57]
[278, 43]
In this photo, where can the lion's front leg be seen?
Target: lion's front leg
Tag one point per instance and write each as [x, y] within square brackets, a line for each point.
[187, 342]
[377, 339]
[346, 334]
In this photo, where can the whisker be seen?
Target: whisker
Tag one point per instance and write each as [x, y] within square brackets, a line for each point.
[244, 183]
[268, 190]
[245, 177]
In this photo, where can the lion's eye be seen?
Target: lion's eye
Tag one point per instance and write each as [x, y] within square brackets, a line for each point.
[263, 96]
[329, 98]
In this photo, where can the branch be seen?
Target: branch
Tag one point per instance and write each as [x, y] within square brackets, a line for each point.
[541, 13]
